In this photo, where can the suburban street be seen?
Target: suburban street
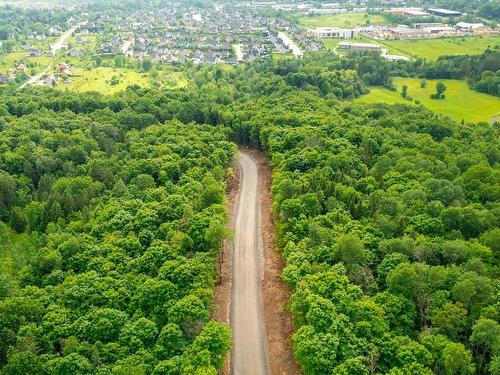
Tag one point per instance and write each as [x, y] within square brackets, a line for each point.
[238, 51]
[249, 354]
[289, 43]
[34, 79]
[62, 39]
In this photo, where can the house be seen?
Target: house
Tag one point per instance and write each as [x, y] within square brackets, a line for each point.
[444, 12]
[35, 52]
[64, 68]
[21, 68]
[55, 31]
[50, 80]
[331, 32]
[75, 53]
[361, 47]
[4, 78]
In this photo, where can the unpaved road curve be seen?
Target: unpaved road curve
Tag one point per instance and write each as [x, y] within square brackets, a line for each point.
[249, 354]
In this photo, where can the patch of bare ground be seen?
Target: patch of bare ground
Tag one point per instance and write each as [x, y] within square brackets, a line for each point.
[275, 292]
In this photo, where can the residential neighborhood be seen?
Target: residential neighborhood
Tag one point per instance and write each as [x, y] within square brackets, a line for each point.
[225, 32]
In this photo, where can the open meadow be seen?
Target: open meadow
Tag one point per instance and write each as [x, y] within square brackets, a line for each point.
[110, 80]
[433, 48]
[342, 20]
[460, 101]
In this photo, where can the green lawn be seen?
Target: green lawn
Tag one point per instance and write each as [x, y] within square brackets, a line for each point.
[433, 48]
[342, 20]
[460, 103]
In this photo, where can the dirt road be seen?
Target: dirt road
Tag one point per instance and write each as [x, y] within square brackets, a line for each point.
[249, 355]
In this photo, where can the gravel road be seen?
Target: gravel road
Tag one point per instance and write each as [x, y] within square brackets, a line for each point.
[249, 355]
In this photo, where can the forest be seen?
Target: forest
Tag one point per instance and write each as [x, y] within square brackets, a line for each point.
[387, 217]
[125, 217]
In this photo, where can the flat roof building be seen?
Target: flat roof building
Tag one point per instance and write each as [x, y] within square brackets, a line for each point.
[405, 32]
[442, 30]
[345, 46]
[444, 12]
[410, 12]
[465, 26]
[333, 32]
[474, 28]
[421, 25]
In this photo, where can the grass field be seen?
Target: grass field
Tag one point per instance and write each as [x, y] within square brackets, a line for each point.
[342, 20]
[460, 103]
[433, 48]
[100, 80]
[12, 59]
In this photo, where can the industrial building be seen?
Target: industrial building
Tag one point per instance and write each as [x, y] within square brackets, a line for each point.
[409, 12]
[360, 47]
[444, 12]
[474, 28]
[333, 32]
[405, 32]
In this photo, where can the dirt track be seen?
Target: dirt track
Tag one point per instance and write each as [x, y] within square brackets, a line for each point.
[249, 355]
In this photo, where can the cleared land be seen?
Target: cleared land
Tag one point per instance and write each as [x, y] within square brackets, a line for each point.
[460, 103]
[342, 20]
[433, 48]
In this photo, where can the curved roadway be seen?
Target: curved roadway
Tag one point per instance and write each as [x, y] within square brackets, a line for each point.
[249, 354]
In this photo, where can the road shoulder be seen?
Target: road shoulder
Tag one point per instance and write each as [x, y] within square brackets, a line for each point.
[275, 292]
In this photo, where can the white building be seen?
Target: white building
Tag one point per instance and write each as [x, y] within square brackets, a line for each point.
[476, 28]
[345, 46]
[332, 32]
[441, 30]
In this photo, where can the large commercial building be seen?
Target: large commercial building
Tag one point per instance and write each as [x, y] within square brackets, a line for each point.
[405, 32]
[474, 28]
[332, 32]
[361, 47]
[409, 12]
[444, 12]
